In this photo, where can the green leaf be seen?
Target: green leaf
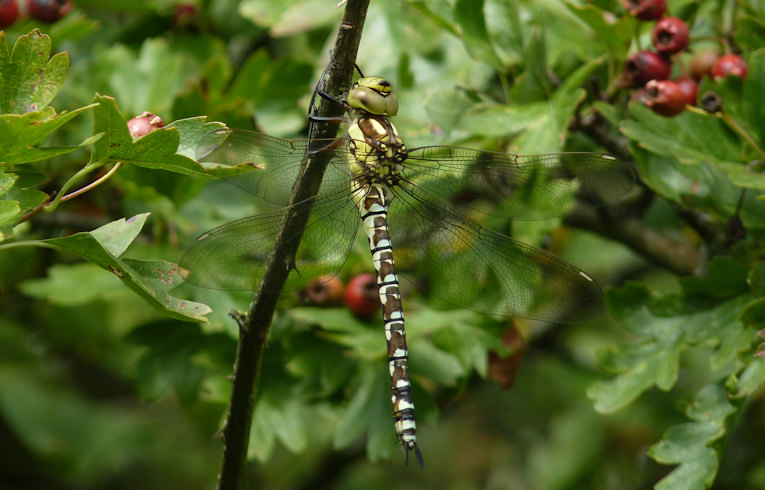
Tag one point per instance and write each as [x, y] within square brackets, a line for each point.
[69, 285]
[711, 404]
[288, 418]
[436, 364]
[288, 17]
[690, 137]
[160, 149]
[543, 125]
[152, 280]
[534, 83]
[725, 279]
[356, 416]
[658, 368]
[751, 379]
[19, 196]
[754, 312]
[341, 327]
[470, 16]
[29, 77]
[20, 135]
[575, 439]
[445, 107]
[615, 34]
[434, 15]
[9, 212]
[170, 358]
[460, 333]
[666, 326]
[147, 80]
[262, 433]
[754, 87]
[381, 436]
[686, 444]
[9, 209]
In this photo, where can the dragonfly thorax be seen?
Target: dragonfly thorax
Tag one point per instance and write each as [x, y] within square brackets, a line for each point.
[377, 150]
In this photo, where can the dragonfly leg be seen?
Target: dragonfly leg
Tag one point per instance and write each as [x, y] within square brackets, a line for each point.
[334, 119]
[335, 144]
[326, 96]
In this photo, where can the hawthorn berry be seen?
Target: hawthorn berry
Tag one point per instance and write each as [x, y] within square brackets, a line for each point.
[184, 15]
[646, 65]
[670, 35]
[689, 87]
[9, 12]
[324, 291]
[711, 102]
[729, 64]
[361, 295]
[144, 124]
[702, 63]
[645, 9]
[48, 10]
[665, 97]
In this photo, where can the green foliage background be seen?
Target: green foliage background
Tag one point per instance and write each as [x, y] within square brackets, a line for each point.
[113, 372]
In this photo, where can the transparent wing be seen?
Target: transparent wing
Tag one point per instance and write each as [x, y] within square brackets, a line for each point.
[501, 184]
[232, 257]
[474, 267]
[278, 161]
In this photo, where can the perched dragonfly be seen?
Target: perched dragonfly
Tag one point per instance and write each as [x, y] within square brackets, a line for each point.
[426, 196]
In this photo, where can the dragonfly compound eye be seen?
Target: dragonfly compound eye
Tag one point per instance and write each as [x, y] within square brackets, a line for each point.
[373, 95]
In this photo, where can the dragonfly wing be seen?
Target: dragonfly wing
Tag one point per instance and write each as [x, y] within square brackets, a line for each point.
[474, 267]
[502, 184]
[276, 161]
[233, 256]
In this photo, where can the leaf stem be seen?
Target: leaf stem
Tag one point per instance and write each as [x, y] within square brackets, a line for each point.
[255, 325]
[93, 184]
[737, 128]
[49, 206]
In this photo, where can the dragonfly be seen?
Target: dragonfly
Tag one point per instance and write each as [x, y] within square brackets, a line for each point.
[434, 202]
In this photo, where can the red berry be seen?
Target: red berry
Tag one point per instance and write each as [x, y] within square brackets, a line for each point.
[729, 64]
[665, 97]
[48, 10]
[361, 295]
[670, 35]
[646, 9]
[9, 12]
[325, 291]
[702, 64]
[184, 15]
[689, 87]
[504, 369]
[646, 65]
[144, 124]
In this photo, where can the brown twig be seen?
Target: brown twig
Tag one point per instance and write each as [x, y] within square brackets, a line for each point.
[675, 255]
[254, 326]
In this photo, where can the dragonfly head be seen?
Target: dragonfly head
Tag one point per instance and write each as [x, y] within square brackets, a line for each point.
[373, 95]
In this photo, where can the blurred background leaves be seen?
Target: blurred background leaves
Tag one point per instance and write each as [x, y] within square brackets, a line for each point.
[99, 389]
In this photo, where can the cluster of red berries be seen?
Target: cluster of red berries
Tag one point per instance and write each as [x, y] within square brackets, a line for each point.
[44, 10]
[649, 71]
[360, 295]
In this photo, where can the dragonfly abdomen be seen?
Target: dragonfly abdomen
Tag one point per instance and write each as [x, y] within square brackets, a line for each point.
[374, 211]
